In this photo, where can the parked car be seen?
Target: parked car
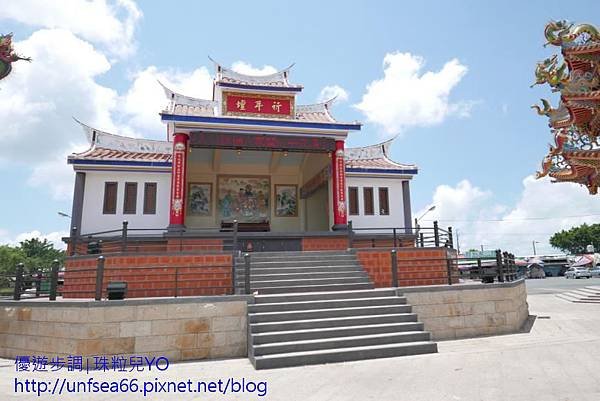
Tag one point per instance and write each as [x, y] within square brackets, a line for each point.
[595, 272]
[578, 272]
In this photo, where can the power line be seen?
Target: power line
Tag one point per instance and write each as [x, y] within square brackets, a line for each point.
[510, 220]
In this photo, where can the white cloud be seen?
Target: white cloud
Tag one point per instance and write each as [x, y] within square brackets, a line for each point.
[145, 97]
[54, 237]
[245, 68]
[111, 24]
[542, 209]
[39, 98]
[331, 91]
[407, 97]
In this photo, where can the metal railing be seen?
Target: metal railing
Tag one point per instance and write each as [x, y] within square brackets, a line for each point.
[500, 269]
[422, 237]
[151, 280]
[148, 240]
[38, 283]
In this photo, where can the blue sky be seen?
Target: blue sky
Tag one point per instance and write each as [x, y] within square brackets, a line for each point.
[475, 150]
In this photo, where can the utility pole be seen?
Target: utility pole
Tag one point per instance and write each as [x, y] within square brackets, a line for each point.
[457, 242]
[533, 243]
[481, 247]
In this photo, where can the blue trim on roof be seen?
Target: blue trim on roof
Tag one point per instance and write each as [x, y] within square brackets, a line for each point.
[261, 87]
[119, 163]
[381, 170]
[266, 123]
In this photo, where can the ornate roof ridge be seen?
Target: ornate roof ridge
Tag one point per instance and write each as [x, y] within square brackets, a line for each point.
[105, 140]
[279, 78]
[187, 104]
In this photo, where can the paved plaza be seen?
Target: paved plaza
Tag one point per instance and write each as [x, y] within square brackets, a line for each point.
[558, 359]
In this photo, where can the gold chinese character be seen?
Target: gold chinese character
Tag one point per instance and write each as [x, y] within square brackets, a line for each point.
[258, 105]
[276, 106]
[241, 104]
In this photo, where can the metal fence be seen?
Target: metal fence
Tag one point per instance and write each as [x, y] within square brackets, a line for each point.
[148, 240]
[35, 284]
[387, 237]
[148, 281]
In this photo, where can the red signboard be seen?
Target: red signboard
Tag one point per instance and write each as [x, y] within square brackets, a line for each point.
[258, 105]
[261, 142]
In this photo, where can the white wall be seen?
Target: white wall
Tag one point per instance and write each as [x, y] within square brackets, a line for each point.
[93, 199]
[396, 205]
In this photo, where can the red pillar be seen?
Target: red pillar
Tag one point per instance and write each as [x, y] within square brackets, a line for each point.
[338, 179]
[178, 187]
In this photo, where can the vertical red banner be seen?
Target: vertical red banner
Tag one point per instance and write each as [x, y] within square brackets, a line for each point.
[338, 170]
[179, 162]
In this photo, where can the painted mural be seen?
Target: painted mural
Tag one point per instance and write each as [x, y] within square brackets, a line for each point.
[245, 199]
[199, 197]
[286, 202]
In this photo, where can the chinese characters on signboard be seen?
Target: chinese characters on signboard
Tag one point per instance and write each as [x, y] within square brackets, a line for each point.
[258, 105]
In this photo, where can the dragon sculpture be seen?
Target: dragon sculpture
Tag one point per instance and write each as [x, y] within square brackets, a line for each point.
[8, 55]
[547, 110]
[560, 32]
[548, 71]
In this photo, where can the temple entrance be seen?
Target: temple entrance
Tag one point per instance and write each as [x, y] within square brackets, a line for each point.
[259, 189]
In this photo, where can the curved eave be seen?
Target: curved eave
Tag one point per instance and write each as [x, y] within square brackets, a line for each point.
[260, 122]
[273, 88]
[378, 171]
[123, 163]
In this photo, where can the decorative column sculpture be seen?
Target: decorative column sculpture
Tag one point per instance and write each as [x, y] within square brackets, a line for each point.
[178, 174]
[338, 179]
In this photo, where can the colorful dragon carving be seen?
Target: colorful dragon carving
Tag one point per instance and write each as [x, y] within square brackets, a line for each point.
[559, 32]
[548, 71]
[7, 55]
[546, 166]
[546, 111]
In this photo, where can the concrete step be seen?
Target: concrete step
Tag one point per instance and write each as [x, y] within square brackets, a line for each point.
[340, 342]
[288, 254]
[298, 263]
[307, 282]
[292, 276]
[330, 332]
[278, 258]
[306, 269]
[331, 322]
[313, 288]
[586, 292]
[285, 316]
[325, 295]
[342, 354]
[593, 288]
[325, 304]
[568, 297]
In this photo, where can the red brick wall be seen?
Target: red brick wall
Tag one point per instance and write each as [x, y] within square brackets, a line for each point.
[151, 275]
[324, 243]
[194, 244]
[416, 266]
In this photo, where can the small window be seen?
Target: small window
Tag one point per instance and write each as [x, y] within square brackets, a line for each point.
[150, 198]
[384, 202]
[110, 198]
[368, 198]
[130, 198]
[353, 201]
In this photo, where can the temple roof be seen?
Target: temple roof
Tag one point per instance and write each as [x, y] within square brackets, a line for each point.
[190, 106]
[375, 158]
[278, 79]
[107, 148]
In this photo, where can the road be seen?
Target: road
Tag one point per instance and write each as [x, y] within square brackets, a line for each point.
[554, 285]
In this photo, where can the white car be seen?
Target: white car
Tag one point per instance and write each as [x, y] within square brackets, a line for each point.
[578, 272]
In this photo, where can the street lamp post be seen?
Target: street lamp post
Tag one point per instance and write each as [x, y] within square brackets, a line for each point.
[533, 243]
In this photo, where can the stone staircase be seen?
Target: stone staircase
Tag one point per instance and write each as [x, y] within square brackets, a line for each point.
[321, 307]
[287, 272]
[587, 295]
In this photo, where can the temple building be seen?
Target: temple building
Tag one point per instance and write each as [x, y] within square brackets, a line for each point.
[250, 154]
[575, 122]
